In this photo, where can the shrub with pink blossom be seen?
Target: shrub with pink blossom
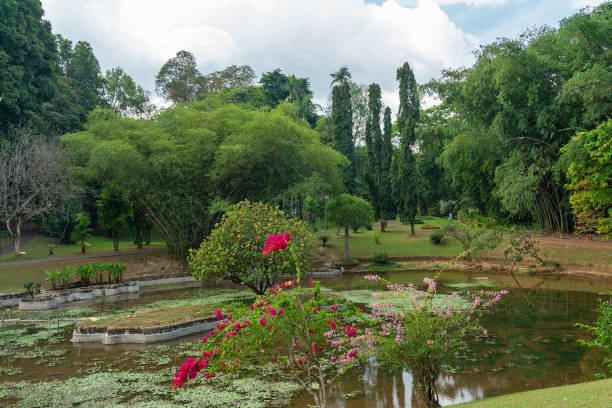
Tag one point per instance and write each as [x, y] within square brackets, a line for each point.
[425, 334]
[309, 336]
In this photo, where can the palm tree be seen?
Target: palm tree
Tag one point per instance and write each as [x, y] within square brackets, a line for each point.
[342, 75]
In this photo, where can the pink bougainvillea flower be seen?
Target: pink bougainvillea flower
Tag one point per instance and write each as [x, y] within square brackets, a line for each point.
[262, 321]
[204, 339]
[334, 308]
[310, 281]
[430, 342]
[332, 324]
[334, 359]
[219, 314]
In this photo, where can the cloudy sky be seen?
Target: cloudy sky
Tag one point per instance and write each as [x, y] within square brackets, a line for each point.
[308, 38]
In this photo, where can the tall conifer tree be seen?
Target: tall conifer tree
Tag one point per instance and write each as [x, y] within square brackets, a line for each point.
[342, 127]
[405, 178]
[373, 138]
[386, 155]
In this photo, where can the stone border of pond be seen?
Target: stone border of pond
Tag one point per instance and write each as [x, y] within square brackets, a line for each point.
[141, 335]
[50, 299]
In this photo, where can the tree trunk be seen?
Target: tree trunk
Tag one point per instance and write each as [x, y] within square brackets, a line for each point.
[383, 225]
[83, 247]
[116, 239]
[411, 226]
[347, 255]
[16, 234]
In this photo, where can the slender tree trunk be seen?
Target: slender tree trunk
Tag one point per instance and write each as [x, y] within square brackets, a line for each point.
[16, 234]
[411, 225]
[116, 239]
[83, 247]
[383, 225]
[347, 255]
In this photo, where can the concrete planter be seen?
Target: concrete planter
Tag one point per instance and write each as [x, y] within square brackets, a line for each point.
[132, 287]
[113, 290]
[38, 303]
[62, 297]
[11, 299]
[98, 291]
[83, 294]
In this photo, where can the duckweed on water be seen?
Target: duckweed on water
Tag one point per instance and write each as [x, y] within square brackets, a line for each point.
[147, 390]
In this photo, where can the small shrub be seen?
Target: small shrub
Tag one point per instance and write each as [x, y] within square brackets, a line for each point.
[436, 237]
[53, 277]
[381, 258]
[324, 239]
[32, 288]
[115, 271]
[448, 207]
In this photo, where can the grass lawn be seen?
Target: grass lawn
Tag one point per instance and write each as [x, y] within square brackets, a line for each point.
[154, 317]
[397, 241]
[595, 394]
[38, 248]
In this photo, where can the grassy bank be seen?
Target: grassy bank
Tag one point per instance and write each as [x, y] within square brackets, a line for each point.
[38, 248]
[595, 394]
[397, 241]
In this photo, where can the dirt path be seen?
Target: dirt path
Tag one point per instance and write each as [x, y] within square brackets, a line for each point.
[83, 256]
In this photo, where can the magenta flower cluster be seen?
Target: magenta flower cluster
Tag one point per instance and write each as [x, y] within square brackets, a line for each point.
[276, 243]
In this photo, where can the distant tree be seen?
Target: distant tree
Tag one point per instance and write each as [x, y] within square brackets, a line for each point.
[359, 105]
[27, 62]
[405, 181]
[124, 96]
[231, 77]
[85, 77]
[387, 208]
[342, 127]
[346, 211]
[32, 180]
[374, 142]
[178, 79]
[114, 211]
[82, 231]
[342, 75]
[275, 85]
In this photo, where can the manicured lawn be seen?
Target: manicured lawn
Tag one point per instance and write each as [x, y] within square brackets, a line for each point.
[38, 248]
[595, 394]
[395, 242]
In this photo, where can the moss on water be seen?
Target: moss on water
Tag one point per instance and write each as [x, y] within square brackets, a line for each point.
[146, 389]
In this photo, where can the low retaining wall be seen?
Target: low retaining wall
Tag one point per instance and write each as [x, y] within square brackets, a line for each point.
[87, 293]
[94, 334]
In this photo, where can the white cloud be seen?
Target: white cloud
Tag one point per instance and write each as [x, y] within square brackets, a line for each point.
[580, 4]
[308, 38]
[476, 3]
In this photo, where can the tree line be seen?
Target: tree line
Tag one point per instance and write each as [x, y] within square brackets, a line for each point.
[520, 136]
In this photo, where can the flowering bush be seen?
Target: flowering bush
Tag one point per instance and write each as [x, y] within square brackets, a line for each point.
[307, 335]
[233, 250]
[426, 332]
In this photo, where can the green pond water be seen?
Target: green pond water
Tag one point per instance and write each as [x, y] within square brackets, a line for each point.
[533, 344]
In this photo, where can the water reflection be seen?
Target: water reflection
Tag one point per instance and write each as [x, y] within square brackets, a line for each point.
[533, 345]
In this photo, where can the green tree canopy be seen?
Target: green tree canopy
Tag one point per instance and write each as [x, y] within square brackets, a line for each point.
[28, 59]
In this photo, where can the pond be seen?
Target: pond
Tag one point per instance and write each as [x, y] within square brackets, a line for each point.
[533, 344]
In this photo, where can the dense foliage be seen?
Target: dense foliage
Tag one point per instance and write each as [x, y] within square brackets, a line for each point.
[511, 112]
[589, 162]
[184, 168]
